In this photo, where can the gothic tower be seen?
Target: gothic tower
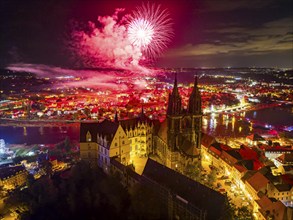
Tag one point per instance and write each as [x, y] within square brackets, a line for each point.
[195, 112]
[184, 126]
[174, 112]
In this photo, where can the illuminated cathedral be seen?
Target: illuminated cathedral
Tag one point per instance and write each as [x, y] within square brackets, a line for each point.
[176, 142]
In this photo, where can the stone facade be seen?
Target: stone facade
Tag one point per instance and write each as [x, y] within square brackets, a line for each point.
[176, 141]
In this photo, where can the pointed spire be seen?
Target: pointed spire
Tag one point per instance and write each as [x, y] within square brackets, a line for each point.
[116, 117]
[175, 88]
[142, 115]
[174, 103]
[195, 80]
[194, 104]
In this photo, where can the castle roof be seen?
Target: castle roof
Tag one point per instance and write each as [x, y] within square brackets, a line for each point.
[189, 190]
[106, 128]
[133, 122]
[7, 172]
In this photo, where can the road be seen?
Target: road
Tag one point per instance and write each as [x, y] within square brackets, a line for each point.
[234, 192]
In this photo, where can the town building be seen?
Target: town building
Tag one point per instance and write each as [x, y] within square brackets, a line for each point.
[282, 192]
[255, 139]
[12, 177]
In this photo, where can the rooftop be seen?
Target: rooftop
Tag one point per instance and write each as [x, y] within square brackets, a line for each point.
[258, 181]
[10, 171]
[188, 189]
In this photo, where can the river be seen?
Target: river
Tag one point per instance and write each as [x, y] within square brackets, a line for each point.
[219, 125]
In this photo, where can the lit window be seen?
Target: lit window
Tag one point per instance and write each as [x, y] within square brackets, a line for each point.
[88, 136]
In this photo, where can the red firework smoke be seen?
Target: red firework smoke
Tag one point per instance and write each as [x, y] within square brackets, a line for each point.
[114, 43]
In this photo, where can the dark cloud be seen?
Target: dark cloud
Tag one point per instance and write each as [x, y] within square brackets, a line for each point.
[207, 32]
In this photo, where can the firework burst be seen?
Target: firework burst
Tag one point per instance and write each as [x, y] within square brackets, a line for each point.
[150, 29]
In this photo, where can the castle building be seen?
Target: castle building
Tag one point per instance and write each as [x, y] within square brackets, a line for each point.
[101, 141]
[140, 131]
[176, 141]
[12, 177]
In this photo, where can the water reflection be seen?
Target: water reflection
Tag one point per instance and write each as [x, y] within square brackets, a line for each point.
[38, 135]
[24, 131]
[224, 125]
[41, 131]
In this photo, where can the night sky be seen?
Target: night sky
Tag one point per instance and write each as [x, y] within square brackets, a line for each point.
[207, 33]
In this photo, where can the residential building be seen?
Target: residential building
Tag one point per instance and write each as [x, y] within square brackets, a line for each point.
[282, 192]
[12, 177]
[254, 139]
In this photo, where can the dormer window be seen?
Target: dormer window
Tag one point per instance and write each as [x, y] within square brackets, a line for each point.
[88, 137]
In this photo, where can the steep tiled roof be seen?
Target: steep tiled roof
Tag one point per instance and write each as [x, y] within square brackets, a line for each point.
[215, 151]
[258, 181]
[10, 171]
[283, 187]
[207, 140]
[264, 202]
[127, 169]
[286, 158]
[255, 137]
[231, 156]
[91, 127]
[131, 123]
[193, 192]
[106, 128]
[240, 168]
[269, 207]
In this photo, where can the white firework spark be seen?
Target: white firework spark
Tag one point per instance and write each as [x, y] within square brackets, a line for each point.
[150, 28]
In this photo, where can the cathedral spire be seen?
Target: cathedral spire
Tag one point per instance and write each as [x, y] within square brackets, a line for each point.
[142, 115]
[195, 81]
[174, 103]
[116, 117]
[175, 87]
[194, 104]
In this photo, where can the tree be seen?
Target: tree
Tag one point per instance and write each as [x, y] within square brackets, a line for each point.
[67, 144]
[145, 203]
[243, 213]
[229, 209]
[231, 212]
[30, 180]
[193, 170]
[212, 177]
